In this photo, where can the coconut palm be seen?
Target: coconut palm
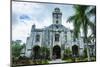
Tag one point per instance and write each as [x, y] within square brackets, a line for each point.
[92, 13]
[80, 20]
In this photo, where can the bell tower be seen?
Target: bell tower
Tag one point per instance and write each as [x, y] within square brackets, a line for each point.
[57, 16]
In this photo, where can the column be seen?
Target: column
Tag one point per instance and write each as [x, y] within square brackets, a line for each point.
[50, 46]
[62, 50]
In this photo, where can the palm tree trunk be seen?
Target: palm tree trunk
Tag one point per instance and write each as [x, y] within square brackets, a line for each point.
[87, 49]
[88, 53]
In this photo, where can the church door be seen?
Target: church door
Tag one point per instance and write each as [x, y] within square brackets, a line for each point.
[36, 52]
[56, 52]
[75, 50]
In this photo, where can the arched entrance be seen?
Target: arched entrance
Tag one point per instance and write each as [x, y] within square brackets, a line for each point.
[56, 52]
[36, 52]
[75, 50]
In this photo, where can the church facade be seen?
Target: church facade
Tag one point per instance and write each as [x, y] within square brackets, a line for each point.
[56, 37]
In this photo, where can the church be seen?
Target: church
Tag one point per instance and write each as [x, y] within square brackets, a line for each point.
[56, 37]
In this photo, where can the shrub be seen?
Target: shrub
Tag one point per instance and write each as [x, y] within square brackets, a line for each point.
[67, 53]
[85, 53]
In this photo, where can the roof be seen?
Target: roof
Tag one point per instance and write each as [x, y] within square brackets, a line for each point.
[57, 25]
[53, 26]
[38, 30]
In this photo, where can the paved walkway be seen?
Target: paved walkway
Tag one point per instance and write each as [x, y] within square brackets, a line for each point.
[57, 61]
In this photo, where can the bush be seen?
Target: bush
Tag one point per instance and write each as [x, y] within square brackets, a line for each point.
[85, 53]
[67, 53]
[45, 52]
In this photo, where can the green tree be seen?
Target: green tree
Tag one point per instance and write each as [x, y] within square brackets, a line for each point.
[68, 51]
[16, 49]
[80, 19]
[85, 53]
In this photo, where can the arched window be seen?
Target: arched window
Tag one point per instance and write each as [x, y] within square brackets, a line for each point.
[37, 38]
[56, 37]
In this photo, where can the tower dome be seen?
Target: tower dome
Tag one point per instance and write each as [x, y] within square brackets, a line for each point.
[57, 9]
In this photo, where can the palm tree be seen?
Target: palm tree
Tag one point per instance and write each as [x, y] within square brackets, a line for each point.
[81, 20]
[92, 13]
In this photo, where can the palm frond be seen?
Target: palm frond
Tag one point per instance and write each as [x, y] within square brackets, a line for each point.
[92, 11]
[71, 18]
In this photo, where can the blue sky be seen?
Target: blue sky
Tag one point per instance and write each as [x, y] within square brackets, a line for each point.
[25, 14]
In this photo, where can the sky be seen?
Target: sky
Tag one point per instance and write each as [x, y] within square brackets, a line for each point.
[25, 14]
